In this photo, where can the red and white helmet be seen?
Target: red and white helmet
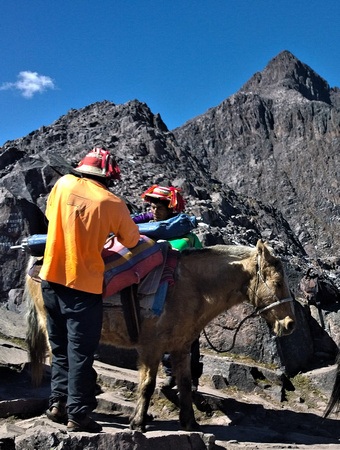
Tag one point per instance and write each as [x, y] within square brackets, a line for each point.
[168, 194]
[99, 162]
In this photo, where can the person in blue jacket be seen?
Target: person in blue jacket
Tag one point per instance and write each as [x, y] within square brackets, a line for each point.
[166, 219]
[166, 202]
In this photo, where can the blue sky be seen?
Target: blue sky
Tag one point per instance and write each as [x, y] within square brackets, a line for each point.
[180, 57]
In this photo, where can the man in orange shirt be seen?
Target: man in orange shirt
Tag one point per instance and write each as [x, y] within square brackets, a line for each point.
[81, 212]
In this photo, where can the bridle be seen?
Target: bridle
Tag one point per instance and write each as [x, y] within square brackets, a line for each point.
[256, 311]
[259, 277]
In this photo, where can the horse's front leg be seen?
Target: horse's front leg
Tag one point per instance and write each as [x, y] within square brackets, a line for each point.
[181, 366]
[147, 382]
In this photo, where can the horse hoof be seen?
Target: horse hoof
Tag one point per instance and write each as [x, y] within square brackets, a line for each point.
[149, 417]
[191, 427]
[135, 427]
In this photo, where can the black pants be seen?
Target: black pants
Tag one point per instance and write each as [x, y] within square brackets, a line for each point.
[74, 322]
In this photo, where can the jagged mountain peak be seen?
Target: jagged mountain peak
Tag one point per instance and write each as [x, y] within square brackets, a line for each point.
[137, 110]
[288, 72]
[98, 124]
[91, 119]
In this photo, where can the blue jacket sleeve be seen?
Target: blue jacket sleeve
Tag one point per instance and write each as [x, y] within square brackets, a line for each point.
[176, 226]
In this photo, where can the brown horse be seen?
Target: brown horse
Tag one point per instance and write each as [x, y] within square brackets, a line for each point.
[208, 281]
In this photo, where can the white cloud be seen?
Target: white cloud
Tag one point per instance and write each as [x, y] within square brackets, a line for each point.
[29, 83]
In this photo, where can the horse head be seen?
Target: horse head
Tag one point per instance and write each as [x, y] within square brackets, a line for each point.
[270, 291]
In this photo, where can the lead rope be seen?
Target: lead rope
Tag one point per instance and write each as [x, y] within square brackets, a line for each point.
[237, 329]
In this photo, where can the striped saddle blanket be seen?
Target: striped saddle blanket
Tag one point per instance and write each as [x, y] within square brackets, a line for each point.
[124, 267]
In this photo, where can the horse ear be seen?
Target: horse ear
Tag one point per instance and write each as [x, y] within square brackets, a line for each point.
[263, 249]
[260, 245]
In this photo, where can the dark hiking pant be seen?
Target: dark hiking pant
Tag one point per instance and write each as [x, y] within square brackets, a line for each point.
[74, 322]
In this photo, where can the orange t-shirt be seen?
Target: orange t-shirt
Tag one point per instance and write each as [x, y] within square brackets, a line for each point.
[81, 214]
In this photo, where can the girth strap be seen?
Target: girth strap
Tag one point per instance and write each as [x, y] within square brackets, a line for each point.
[131, 311]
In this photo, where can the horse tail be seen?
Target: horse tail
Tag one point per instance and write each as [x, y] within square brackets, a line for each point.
[36, 334]
[334, 401]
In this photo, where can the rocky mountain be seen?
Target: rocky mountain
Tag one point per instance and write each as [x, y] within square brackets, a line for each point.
[264, 163]
[277, 140]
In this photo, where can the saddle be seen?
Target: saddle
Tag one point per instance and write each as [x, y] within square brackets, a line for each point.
[141, 274]
[131, 274]
[125, 267]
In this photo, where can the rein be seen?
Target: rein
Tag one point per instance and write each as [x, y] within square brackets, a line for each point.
[257, 311]
[237, 329]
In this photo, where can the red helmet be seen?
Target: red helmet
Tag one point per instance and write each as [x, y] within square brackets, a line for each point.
[100, 163]
[165, 193]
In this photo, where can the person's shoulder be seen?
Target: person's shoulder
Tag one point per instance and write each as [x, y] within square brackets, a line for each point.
[113, 200]
[114, 197]
[65, 180]
[69, 177]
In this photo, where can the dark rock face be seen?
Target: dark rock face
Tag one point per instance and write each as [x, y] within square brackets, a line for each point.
[277, 139]
[261, 164]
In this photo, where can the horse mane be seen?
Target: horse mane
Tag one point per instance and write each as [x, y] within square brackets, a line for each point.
[230, 252]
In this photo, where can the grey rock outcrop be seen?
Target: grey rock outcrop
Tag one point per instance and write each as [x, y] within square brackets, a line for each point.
[277, 139]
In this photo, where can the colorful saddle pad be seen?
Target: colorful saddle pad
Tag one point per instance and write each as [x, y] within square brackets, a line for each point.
[124, 267]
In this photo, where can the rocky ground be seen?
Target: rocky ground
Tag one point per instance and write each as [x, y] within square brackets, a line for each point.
[229, 419]
[258, 419]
